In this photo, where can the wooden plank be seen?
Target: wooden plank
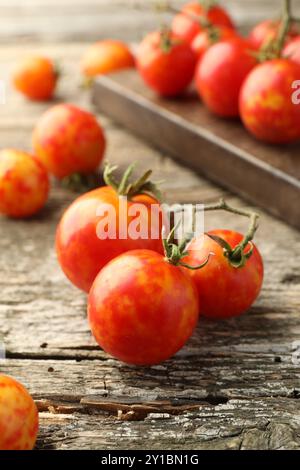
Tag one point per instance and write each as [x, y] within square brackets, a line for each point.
[222, 150]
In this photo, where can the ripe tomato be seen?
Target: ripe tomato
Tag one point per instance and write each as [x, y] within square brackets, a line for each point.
[205, 39]
[141, 308]
[166, 65]
[81, 253]
[224, 291]
[220, 74]
[24, 184]
[105, 57]
[19, 420]
[292, 50]
[68, 140]
[36, 78]
[186, 27]
[266, 105]
[266, 31]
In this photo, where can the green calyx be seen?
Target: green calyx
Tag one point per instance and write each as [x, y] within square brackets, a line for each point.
[175, 252]
[237, 256]
[124, 187]
[81, 183]
[207, 4]
[166, 41]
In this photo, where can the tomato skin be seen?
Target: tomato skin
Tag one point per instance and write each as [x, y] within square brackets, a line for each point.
[36, 78]
[224, 291]
[80, 252]
[186, 28]
[267, 31]
[202, 42]
[19, 420]
[142, 309]
[266, 105]
[68, 140]
[220, 75]
[167, 73]
[24, 184]
[106, 56]
[292, 50]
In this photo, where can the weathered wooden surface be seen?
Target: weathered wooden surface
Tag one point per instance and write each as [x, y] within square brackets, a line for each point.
[84, 20]
[235, 385]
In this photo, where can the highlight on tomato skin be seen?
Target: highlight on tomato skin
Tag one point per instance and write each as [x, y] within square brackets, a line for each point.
[220, 74]
[292, 50]
[141, 308]
[19, 420]
[224, 291]
[24, 184]
[186, 28]
[36, 78]
[165, 64]
[68, 140]
[266, 106]
[105, 57]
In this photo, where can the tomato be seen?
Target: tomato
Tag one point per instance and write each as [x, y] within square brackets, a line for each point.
[266, 105]
[19, 420]
[24, 184]
[105, 57]
[68, 140]
[266, 31]
[220, 75]
[141, 308]
[81, 253]
[186, 27]
[224, 291]
[292, 50]
[205, 39]
[167, 66]
[36, 78]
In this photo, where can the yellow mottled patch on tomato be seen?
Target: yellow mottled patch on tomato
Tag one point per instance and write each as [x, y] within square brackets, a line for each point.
[24, 184]
[18, 416]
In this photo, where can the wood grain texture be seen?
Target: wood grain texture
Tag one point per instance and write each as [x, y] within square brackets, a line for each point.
[236, 385]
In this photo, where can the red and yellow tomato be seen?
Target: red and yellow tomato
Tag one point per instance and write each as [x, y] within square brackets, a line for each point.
[221, 73]
[141, 308]
[224, 290]
[36, 78]
[266, 104]
[166, 65]
[267, 31]
[106, 56]
[187, 24]
[82, 253]
[18, 416]
[68, 140]
[24, 184]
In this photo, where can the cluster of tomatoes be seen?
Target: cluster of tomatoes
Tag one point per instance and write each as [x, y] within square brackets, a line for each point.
[145, 295]
[252, 78]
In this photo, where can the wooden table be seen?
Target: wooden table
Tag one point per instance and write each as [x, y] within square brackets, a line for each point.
[234, 386]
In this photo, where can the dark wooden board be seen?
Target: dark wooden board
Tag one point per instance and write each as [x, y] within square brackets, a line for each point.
[220, 149]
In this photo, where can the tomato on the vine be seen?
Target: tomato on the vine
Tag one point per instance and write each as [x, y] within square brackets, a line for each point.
[292, 50]
[19, 420]
[36, 78]
[81, 251]
[226, 287]
[187, 24]
[267, 31]
[68, 140]
[106, 56]
[166, 64]
[221, 73]
[142, 309]
[210, 36]
[266, 104]
[24, 184]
